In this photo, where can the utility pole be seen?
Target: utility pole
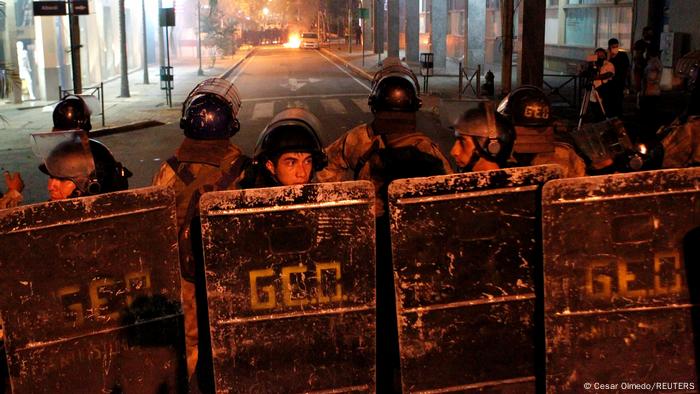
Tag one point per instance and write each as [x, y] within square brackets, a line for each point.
[145, 44]
[200, 72]
[507, 60]
[161, 39]
[74, 27]
[350, 26]
[122, 49]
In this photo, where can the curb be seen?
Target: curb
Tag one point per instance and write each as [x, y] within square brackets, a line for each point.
[144, 124]
[233, 68]
[357, 70]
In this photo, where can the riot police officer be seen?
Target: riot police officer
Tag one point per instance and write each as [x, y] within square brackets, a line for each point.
[530, 112]
[364, 151]
[78, 167]
[390, 147]
[205, 161]
[681, 139]
[72, 113]
[484, 140]
[288, 152]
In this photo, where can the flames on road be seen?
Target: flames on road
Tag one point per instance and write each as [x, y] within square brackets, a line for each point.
[294, 41]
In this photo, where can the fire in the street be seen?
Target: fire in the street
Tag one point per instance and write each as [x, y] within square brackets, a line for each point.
[293, 41]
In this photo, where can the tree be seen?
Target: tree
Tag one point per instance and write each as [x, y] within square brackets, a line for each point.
[122, 48]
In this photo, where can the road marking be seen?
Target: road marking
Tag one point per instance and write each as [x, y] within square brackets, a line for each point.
[263, 110]
[333, 106]
[361, 103]
[309, 96]
[297, 104]
[242, 68]
[345, 71]
[295, 84]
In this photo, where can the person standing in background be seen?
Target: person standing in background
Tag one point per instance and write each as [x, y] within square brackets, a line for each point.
[621, 61]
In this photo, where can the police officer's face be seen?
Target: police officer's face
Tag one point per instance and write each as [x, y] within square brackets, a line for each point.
[462, 151]
[60, 189]
[292, 168]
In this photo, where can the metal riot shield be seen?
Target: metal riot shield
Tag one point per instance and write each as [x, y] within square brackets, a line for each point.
[290, 281]
[617, 266]
[465, 252]
[91, 295]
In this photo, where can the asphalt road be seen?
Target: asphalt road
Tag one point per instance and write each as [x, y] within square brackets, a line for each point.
[271, 80]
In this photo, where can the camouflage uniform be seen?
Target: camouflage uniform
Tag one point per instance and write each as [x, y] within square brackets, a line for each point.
[352, 156]
[198, 166]
[564, 156]
[682, 144]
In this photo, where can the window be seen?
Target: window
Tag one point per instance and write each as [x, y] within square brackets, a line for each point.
[615, 22]
[591, 1]
[552, 3]
[455, 23]
[551, 27]
[580, 26]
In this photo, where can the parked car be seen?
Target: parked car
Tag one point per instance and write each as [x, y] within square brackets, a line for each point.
[309, 40]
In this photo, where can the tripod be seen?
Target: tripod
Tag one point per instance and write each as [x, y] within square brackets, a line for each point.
[591, 91]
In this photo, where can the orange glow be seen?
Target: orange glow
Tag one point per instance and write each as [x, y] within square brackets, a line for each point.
[642, 149]
[293, 41]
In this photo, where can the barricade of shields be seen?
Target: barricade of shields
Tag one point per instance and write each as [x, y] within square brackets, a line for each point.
[621, 266]
[91, 295]
[290, 285]
[507, 281]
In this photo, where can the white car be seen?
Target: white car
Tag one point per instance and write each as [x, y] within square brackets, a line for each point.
[309, 40]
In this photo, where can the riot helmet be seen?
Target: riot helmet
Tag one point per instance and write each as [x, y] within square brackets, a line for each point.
[292, 130]
[210, 110]
[71, 113]
[491, 132]
[395, 88]
[529, 111]
[87, 163]
[526, 106]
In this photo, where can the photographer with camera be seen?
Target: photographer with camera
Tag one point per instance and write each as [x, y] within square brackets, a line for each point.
[601, 73]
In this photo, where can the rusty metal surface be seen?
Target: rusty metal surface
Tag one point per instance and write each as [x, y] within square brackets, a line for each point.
[91, 295]
[617, 302]
[290, 283]
[465, 249]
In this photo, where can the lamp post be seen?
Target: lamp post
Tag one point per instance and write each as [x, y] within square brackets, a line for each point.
[145, 44]
[199, 37]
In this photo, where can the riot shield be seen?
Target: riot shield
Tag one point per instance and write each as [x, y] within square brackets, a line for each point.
[618, 310]
[91, 295]
[465, 252]
[290, 283]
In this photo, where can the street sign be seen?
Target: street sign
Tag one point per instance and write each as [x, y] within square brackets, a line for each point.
[621, 280]
[80, 7]
[50, 8]
[363, 13]
[466, 251]
[89, 304]
[166, 17]
[290, 275]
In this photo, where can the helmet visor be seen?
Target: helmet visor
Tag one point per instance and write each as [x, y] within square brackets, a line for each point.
[64, 155]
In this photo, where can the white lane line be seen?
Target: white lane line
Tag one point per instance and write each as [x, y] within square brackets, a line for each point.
[242, 68]
[345, 71]
[263, 110]
[309, 96]
[362, 104]
[333, 106]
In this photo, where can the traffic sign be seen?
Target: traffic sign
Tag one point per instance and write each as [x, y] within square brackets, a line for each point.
[50, 8]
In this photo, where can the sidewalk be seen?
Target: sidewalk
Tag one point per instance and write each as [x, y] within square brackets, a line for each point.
[147, 102]
[444, 87]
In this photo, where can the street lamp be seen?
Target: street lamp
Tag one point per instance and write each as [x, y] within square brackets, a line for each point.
[200, 72]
